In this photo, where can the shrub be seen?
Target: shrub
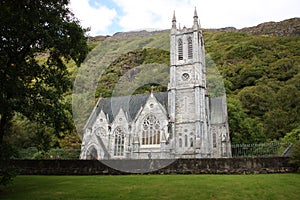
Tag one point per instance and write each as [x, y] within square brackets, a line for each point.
[295, 155]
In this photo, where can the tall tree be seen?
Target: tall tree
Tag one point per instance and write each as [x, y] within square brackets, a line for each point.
[38, 37]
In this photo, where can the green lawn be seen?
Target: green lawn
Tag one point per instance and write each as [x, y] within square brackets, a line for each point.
[269, 186]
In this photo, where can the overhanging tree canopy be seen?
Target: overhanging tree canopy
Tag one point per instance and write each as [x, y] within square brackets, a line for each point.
[30, 85]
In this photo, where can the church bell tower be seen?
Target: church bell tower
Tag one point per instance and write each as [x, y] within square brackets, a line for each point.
[187, 92]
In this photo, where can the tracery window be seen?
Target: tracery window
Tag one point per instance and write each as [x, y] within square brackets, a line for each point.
[151, 130]
[119, 142]
[100, 132]
[190, 48]
[180, 50]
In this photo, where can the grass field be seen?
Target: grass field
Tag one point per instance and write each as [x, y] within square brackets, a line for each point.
[269, 186]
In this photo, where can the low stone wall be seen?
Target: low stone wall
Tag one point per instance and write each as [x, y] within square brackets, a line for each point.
[178, 166]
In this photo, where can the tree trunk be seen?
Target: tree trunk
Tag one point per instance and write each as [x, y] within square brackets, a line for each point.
[5, 118]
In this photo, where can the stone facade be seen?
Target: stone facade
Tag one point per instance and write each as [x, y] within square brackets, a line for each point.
[181, 123]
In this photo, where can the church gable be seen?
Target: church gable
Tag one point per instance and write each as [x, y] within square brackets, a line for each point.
[119, 134]
[100, 121]
[120, 119]
[152, 105]
[151, 122]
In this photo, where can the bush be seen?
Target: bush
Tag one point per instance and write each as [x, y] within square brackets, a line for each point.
[295, 155]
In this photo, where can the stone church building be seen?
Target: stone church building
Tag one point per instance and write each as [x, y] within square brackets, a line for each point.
[183, 122]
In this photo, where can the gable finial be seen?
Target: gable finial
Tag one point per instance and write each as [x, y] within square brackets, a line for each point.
[152, 88]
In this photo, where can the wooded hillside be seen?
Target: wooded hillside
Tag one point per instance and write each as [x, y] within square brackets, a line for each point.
[260, 74]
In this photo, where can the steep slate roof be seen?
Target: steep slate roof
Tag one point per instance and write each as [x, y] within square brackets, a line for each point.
[130, 104]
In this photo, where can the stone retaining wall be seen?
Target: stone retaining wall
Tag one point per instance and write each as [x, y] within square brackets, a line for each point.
[179, 166]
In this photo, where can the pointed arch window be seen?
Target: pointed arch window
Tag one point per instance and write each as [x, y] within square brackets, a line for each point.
[119, 142]
[214, 140]
[92, 153]
[180, 50]
[191, 142]
[190, 48]
[185, 140]
[151, 131]
[180, 142]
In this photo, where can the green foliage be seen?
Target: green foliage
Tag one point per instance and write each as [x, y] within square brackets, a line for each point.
[292, 136]
[257, 100]
[295, 155]
[7, 175]
[38, 38]
[243, 129]
[263, 74]
[284, 115]
[131, 70]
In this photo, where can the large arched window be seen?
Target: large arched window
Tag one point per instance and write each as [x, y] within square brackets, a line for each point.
[190, 48]
[151, 131]
[180, 50]
[119, 142]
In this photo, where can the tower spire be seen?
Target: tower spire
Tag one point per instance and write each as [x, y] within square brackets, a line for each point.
[174, 21]
[195, 12]
[196, 25]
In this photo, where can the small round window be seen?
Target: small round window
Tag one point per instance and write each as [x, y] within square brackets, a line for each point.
[185, 76]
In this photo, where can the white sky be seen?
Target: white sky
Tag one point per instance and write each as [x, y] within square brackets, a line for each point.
[106, 17]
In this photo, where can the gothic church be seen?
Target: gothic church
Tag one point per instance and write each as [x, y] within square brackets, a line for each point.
[183, 122]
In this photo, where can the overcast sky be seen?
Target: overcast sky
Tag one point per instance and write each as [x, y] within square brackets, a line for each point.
[106, 17]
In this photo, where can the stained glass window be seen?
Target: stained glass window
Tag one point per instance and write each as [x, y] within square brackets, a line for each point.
[151, 130]
[119, 142]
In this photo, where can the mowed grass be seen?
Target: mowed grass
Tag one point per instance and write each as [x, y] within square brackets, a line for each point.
[268, 186]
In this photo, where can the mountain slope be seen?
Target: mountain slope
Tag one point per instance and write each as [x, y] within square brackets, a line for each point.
[260, 74]
[289, 27]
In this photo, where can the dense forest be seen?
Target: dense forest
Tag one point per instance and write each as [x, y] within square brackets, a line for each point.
[259, 73]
